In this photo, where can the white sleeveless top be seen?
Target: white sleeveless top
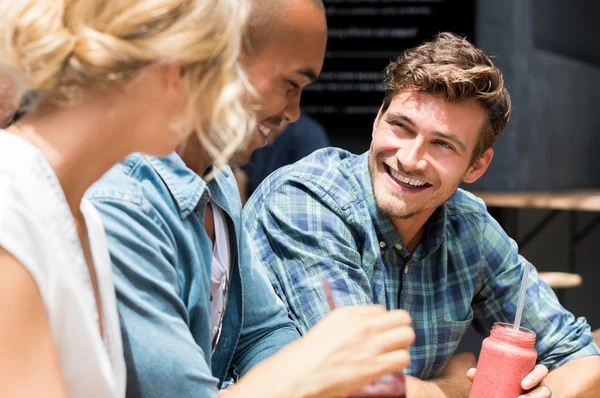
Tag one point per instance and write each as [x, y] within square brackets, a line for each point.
[36, 226]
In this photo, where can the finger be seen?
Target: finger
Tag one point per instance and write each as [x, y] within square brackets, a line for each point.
[399, 338]
[471, 374]
[535, 377]
[393, 361]
[376, 367]
[540, 392]
[390, 320]
[360, 310]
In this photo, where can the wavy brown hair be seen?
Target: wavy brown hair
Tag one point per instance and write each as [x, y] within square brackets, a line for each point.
[451, 67]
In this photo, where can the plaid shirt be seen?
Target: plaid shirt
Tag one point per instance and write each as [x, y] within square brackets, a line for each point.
[318, 218]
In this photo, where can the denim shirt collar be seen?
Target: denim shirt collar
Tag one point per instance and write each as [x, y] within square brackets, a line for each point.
[386, 232]
[186, 186]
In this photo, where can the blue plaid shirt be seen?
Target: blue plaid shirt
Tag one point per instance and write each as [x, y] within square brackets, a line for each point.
[318, 218]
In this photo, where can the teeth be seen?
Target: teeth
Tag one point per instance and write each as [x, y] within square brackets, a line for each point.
[264, 130]
[409, 181]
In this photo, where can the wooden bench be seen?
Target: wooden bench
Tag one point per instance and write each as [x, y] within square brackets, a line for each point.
[561, 280]
[554, 202]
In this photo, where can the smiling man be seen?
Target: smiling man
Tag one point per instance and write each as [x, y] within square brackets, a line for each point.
[392, 227]
[194, 308]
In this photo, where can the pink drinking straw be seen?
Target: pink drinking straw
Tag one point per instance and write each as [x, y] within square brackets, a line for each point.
[328, 294]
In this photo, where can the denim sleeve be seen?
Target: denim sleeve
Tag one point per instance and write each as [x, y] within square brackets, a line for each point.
[560, 336]
[163, 360]
[301, 237]
[266, 326]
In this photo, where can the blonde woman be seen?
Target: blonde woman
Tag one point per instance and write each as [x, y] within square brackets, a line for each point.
[114, 77]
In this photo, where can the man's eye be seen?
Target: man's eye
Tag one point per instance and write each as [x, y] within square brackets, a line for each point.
[444, 144]
[293, 84]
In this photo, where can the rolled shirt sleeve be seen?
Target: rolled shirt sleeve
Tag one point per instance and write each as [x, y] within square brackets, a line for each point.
[561, 336]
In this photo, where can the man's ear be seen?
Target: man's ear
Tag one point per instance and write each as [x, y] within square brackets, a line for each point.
[377, 119]
[479, 166]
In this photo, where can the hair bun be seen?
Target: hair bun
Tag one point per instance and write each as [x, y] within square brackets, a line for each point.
[66, 49]
[35, 43]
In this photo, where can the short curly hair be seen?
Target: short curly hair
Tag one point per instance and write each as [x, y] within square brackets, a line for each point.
[452, 67]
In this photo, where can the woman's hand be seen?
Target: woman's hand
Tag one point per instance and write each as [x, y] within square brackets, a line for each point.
[350, 347]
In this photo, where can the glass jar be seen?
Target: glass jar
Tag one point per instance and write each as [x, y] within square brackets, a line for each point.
[507, 356]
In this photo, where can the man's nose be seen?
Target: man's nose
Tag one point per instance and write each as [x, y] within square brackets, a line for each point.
[411, 155]
[291, 113]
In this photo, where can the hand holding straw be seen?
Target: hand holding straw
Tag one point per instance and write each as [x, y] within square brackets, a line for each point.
[392, 385]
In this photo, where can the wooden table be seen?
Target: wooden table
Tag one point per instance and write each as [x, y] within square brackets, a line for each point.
[568, 200]
[554, 202]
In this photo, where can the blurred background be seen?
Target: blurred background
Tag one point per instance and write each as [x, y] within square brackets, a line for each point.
[543, 185]
[550, 58]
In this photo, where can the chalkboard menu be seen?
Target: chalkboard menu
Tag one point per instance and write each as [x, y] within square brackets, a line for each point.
[364, 35]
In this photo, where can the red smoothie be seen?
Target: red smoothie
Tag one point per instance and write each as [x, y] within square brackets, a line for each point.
[389, 386]
[506, 357]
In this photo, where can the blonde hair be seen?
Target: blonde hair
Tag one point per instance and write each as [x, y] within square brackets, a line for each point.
[60, 48]
[7, 98]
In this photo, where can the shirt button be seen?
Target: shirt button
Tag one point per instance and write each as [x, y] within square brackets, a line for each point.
[398, 246]
[382, 244]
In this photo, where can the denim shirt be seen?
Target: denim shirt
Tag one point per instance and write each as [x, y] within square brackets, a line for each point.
[153, 213]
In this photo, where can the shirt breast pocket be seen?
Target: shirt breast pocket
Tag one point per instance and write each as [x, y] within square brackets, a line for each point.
[448, 337]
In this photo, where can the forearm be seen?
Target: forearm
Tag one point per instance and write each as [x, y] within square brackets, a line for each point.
[266, 326]
[437, 388]
[273, 378]
[255, 351]
[578, 378]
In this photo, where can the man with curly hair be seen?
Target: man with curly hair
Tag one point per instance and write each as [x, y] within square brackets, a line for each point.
[392, 227]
